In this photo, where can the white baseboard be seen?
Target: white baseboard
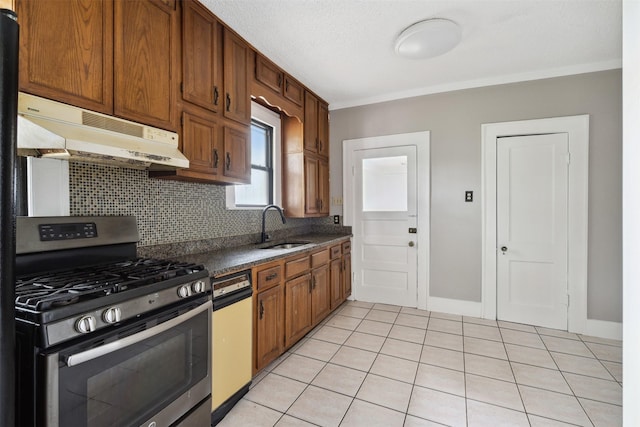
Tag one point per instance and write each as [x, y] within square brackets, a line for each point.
[455, 306]
[603, 329]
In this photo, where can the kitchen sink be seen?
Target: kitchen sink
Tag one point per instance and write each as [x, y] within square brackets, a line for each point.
[286, 245]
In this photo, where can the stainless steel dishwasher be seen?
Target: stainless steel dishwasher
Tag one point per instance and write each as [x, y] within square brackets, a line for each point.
[231, 342]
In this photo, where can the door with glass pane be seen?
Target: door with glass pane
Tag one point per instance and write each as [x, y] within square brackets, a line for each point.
[385, 226]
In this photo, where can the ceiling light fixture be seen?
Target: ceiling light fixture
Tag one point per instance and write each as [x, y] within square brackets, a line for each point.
[429, 38]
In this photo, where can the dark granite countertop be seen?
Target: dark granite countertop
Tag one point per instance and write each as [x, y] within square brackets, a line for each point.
[223, 261]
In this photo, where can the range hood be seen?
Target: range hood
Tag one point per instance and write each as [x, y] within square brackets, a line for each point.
[51, 129]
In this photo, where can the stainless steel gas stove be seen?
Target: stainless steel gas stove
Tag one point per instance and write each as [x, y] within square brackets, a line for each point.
[105, 338]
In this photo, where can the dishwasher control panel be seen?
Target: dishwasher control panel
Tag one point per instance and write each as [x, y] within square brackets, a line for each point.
[227, 285]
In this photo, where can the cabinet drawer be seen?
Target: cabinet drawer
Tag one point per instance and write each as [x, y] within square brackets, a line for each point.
[296, 266]
[346, 247]
[269, 277]
[336, 251]
[320, 258]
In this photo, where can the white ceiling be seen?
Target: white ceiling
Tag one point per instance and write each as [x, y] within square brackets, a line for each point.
[344, 49]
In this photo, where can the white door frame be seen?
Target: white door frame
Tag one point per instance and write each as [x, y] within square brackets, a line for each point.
[578, 129]
[421, 140]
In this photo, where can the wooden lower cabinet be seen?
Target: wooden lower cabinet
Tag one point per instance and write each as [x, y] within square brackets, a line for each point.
[320, 294]
[346, 270]
[294, 294]
[268, 315]
[297, 297]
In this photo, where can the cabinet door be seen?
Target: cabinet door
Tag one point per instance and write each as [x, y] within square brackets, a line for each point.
[237, 154]
[201, 56]
[346, 275]
[312, 199]
[297, 308]
[199, 143]
[269, 327]
[323, 186]
[320, 294]
[146, 39]
[323, 129]
[335, 278]
[237, 102]
[269, 74]
[293, 91]
[66, 51]
[310, 122]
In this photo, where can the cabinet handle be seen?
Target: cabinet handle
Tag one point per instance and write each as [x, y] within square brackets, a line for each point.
[313, 282]
[286, 86]
[279, 80]
[216, 95]
[228, 161]
[228, 102]
[271, 276]
[215, 158]
[261, 309]
[320, 146]
[317, 143]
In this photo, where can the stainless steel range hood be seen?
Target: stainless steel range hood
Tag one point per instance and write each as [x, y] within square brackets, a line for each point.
[51, 129]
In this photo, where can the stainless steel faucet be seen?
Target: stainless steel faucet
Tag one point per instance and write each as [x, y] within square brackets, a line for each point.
[264, 236]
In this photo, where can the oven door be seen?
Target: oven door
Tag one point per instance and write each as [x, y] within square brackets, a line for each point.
[148, 373]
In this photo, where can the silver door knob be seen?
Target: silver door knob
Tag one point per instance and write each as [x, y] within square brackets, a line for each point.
[411, 244]
[503, 249]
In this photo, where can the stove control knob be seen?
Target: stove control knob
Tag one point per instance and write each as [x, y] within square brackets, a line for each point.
[198, 286]
[112, 315]
[86, 324]
[184, 291]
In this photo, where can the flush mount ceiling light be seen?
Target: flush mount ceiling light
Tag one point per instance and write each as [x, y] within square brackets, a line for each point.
[429, 38]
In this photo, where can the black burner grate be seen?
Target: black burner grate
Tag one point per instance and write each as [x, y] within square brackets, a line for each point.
[45, 291]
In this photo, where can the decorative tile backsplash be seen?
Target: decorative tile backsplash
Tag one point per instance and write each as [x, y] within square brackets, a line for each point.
[167, 211]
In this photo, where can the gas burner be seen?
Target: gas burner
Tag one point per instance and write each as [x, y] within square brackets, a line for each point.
[45, 291]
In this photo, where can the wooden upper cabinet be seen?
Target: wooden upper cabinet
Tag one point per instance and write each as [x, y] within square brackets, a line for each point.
[201, 57]
[237, 154]
[199, 143]
[273, 77]
[269, 74]
[66, 51]
[323, 186]
[316, 125]
[237, 96]
[293, 90]
[146, 39]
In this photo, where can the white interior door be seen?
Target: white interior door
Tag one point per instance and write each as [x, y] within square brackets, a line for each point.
[385, 264]
[532, 181]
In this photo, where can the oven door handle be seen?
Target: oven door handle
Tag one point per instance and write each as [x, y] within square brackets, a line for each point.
[85, 356]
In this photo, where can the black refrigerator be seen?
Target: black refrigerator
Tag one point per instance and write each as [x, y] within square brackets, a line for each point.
[8, 134]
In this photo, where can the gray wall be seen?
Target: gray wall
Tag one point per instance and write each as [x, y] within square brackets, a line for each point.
[454, 119]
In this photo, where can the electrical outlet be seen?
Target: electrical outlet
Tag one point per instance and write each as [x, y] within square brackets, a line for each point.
[468, 196]
[336, 219]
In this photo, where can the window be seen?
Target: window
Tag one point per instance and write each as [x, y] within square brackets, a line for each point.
[265, 163]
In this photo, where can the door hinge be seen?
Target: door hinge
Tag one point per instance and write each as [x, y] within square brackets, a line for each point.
[568, 158]
[568, 300]
[353, 171]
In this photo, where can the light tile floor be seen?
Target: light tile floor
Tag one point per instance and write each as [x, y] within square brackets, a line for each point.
[380, 365]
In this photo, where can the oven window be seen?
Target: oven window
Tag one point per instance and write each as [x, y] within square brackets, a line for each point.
[133, 384]
[137, 382]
